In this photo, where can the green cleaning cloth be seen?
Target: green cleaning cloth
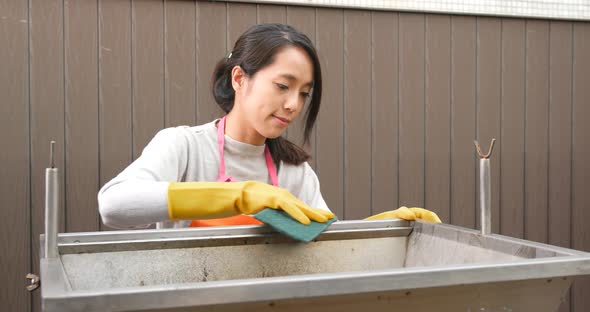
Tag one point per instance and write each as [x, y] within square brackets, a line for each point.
[283, 223]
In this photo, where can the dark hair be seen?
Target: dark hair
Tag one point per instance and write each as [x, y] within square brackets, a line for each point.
[254, 50]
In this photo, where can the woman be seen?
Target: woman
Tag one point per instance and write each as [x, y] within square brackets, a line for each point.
[269, 78]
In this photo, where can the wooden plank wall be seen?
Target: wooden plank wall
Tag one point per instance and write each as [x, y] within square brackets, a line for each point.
[405, 95]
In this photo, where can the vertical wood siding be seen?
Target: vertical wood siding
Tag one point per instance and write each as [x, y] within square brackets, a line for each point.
[405, 95]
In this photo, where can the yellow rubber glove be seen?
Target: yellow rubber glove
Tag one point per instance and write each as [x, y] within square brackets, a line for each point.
[400, 213]
[425, 215]
[409, 214]
[210, 200]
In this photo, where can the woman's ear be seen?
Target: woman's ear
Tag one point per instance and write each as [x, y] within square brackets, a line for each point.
[237, 78]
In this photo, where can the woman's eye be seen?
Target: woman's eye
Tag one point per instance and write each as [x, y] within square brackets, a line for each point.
[305, 94]
[282, 86]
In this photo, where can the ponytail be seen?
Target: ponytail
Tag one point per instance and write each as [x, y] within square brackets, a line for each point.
[284, 150]
[223, 92]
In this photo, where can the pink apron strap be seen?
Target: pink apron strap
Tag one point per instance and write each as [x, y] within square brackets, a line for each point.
[272, 171]
[220, 143]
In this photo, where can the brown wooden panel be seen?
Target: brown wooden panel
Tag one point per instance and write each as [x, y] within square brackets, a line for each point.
[560, 133]
[180, 63]
[560, 138]
[463, 115]
[384, 109]
[581, 150]
[536, 130]
[357, 114]
[438, 116]
[512, 140]
[330, 147]
[152, 45]
[303, 19]
[211, 47]
[411, 109]
[46, 115]
[240, 17]
[271, 13]
[114, 68]
[488, 104]
[15, 228]
[81, 100]
[114, 88]
[148, 71]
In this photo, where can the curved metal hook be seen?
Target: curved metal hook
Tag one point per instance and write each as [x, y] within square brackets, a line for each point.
[480, 154]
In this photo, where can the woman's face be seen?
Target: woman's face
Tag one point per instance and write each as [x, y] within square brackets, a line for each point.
[272, 98]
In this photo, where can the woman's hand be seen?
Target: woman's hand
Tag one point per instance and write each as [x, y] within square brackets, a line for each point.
[257, 196]
[209, 200]
[409, 214]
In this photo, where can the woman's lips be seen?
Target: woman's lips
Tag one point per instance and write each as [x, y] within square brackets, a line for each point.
[282, 121]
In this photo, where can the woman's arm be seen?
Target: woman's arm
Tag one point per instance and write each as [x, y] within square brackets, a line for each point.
[137, 197]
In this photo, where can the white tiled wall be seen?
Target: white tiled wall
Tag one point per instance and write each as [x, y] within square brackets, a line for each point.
[554, 9]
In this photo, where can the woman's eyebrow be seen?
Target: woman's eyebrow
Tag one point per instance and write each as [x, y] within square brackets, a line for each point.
[293, 78]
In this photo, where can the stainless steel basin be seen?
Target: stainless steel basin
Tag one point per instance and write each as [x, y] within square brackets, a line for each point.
[354, 265]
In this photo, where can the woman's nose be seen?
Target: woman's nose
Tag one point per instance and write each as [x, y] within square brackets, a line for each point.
[292, 103]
